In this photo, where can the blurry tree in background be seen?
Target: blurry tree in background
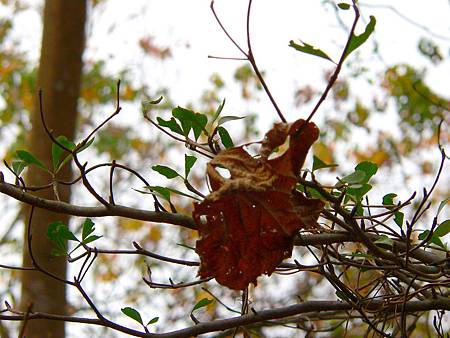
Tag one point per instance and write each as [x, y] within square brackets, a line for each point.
[59, 78]
[374, 264]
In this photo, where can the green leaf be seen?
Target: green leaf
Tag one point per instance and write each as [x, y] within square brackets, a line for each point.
[443, 228]
[343, 6]
[202, 303]
[319, 164]
[172, 124]
[388, 199]
[146, 105]
[356, 177]
[363, 172]
[185, 118]
[178, 192]
[18, 167]
[356, 194]
[189, 162]
[160, 191]
[201, 121]
[91, 239]
[152, 321]
[314, 193]
[58, 230]
[309, 191]
[357, 40]
[218, 111]
[369, 168]
[30, 159]
[423, 234]
[398, 218]
[165, 192]
[442, 205]
[309, 49]
[166, 171]
[59, 234]
[83, 146]
[132, 313]
[156, 101]
[225, 119]
[190, 120]
[57, 151]
[384, 239]
[434, 238]
[76, 148]
[225, 137]
[88, 228]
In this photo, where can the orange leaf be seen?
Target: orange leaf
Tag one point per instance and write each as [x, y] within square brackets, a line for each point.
[248, 222]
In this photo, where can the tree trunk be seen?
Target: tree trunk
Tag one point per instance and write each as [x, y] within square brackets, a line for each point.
[59, 78]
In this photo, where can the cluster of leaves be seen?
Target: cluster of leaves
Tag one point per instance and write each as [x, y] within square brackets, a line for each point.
[60, 157]
[436, 233]
[200, 132]
[185, 122]
[135, 315]
[418, 106]
[59, 234]
[355, 186]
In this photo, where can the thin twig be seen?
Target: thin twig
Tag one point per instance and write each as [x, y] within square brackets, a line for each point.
[249, 55]
[336, 72]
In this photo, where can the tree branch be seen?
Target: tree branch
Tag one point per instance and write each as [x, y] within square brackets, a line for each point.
[102, 211]
[373, 305]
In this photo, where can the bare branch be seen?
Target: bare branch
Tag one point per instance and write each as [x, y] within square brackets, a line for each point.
[376, 305]
[112, 210]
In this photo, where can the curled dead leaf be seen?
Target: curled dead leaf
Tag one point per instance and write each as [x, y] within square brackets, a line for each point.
[248, 222]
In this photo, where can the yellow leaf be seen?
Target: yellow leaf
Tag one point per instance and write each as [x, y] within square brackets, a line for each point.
[130, 224]
[324, 152]
[155, 233]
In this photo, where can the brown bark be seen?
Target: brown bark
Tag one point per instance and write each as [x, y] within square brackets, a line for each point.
[59, 78]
